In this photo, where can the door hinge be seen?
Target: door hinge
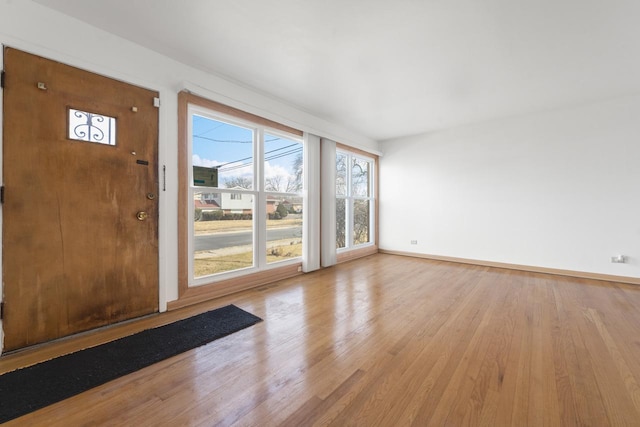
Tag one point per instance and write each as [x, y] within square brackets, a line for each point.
[2, 79]
[1, 310]
[2, 194]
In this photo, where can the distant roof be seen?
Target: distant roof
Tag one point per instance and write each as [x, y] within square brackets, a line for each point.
[207, 204]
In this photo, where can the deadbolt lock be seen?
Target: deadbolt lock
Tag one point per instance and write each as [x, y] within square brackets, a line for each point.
[142, 215]
[151, 196]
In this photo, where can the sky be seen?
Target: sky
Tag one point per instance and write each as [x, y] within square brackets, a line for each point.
[230, 148]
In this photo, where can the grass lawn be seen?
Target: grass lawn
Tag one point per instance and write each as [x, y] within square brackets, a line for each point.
[207, 227]
[206, 266]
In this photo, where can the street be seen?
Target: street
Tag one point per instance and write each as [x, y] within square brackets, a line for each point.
[225, 240]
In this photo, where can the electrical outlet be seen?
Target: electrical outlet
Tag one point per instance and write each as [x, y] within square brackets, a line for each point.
[414, 242]
[621, 259]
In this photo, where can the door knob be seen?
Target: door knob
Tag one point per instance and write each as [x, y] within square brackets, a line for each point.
[142, 215]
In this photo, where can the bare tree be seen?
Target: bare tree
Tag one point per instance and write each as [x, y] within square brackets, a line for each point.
[341, 204]
[355, 198]
[341, 174]
[360, 221]
[341, 236]
[280, 184]
[273, 183]
[287, 184]
[238, 181]
[292, 186]
[296, 184]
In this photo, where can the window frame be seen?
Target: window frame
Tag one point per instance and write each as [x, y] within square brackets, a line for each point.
[257, 192]
[227, 283]
[350, 199]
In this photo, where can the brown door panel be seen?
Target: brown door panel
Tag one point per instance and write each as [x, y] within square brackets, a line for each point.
[76, 256]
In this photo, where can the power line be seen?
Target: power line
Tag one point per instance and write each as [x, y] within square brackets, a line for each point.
[247, 158]
[240, 166]
[213, 128]
[232, 141]
[276, 156]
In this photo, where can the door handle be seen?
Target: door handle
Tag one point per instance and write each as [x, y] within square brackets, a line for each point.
[142, 215]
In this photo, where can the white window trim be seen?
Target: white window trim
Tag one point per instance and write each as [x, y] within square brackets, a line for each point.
[349, 246]
[257, 191]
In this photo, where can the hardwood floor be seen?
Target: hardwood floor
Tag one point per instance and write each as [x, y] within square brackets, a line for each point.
[387, 341]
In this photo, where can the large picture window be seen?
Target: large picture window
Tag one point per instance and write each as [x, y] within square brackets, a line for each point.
[246, 191]
[355, 204]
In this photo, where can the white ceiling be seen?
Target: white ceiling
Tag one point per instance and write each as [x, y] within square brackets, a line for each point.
[388, 68]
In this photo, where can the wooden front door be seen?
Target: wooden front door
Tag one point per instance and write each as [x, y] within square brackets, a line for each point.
[80, 211]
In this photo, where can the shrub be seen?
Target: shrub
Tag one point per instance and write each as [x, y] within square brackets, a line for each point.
[212, 216]
[282, 210]
[236, 216]
[276, 251]
[197, 214]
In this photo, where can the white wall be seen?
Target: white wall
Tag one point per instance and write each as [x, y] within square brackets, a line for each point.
[33, 28]
[557, 189]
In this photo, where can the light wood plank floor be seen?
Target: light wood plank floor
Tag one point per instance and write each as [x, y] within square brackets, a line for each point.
[387, 341]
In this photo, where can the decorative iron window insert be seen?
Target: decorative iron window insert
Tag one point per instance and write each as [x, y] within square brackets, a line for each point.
[91, 127]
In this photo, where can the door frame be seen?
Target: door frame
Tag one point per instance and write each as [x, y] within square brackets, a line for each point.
[163, 154]
[1, 206]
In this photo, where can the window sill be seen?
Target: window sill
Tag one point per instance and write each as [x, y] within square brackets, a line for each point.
[350, 254]
[211, 290]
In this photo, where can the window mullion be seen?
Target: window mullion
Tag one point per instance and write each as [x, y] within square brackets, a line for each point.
[349, 205]
[371, 200]
[260, 201]
[189, 201]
